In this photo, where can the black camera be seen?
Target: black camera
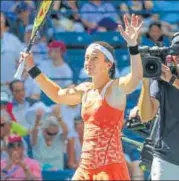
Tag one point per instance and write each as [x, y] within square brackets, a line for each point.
[153, 57]
[147, 155]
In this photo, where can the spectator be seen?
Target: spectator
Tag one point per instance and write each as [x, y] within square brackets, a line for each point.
[5, 130]
[140, 7]
[69, 113]
[170, 6]
[99, 15]
[63, 24]
[5, 126]
[79, 126]
[7, 6]
[31, 4]
[32, 90]
[7, 107]
[10, 53]
[8, 127]
[17, 166]
[24, 18]
[48, 142]
[66, 6]
[74, 145]
[21, 104]
[56, 68]
[155, 36]
[6, 104]
[69, 19]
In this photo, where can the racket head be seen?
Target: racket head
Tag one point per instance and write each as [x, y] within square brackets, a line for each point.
[42, 13]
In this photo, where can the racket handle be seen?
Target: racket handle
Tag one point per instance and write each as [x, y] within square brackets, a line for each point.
[20, 70]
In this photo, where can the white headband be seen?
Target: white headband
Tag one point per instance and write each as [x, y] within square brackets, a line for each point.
[102, 49]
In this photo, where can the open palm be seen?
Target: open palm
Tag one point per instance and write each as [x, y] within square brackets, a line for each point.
[131, 32]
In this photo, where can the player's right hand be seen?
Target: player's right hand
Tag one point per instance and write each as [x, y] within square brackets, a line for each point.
[29, 61]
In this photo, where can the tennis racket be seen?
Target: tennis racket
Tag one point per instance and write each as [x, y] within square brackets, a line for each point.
[40, 19]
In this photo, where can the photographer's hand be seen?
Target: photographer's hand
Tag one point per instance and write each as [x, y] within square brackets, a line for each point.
[167, 76]
[134, 112]
[166, 73]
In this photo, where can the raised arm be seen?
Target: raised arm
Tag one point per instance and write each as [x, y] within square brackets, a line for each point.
[34, 132]
[148, 104]
[69, 96]
[57, 113]
[130, 34]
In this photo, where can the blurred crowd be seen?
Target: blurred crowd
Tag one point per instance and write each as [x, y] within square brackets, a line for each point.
[36, 136]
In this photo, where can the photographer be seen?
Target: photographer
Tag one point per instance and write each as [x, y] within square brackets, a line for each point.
[163, 96]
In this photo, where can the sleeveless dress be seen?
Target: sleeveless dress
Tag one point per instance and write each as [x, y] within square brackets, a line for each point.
[102, 155]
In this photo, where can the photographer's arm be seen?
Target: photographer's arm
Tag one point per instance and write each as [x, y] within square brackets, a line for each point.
[168, 77]
[176, 83]
[148, 106]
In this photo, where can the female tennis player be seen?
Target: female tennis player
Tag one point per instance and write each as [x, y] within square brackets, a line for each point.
[103, 104]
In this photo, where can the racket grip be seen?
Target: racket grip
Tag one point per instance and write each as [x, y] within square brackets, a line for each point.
[20, 70]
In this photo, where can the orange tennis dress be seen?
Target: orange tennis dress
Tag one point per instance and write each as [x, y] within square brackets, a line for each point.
[102, 155]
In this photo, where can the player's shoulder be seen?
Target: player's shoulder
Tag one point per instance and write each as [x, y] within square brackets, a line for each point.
[85, 86]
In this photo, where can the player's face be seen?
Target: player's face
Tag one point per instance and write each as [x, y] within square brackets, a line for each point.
[95, 63]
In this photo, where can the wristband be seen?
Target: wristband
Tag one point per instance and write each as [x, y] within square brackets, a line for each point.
[133, 50]
[172, 80]
[34, 72]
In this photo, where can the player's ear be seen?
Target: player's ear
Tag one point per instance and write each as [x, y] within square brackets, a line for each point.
[109, 65]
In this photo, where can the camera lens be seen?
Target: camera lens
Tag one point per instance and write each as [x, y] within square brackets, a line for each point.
[151, 67]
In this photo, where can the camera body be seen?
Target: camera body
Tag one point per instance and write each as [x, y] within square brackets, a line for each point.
[147, 149]
[154, 57]
[147, 155]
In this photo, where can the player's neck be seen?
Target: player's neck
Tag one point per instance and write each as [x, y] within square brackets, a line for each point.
[100, 82]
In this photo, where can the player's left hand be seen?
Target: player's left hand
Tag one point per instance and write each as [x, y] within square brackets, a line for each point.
[131, 32]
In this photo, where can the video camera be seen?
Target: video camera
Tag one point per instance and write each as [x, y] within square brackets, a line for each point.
[148, 130]
[154, 57]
